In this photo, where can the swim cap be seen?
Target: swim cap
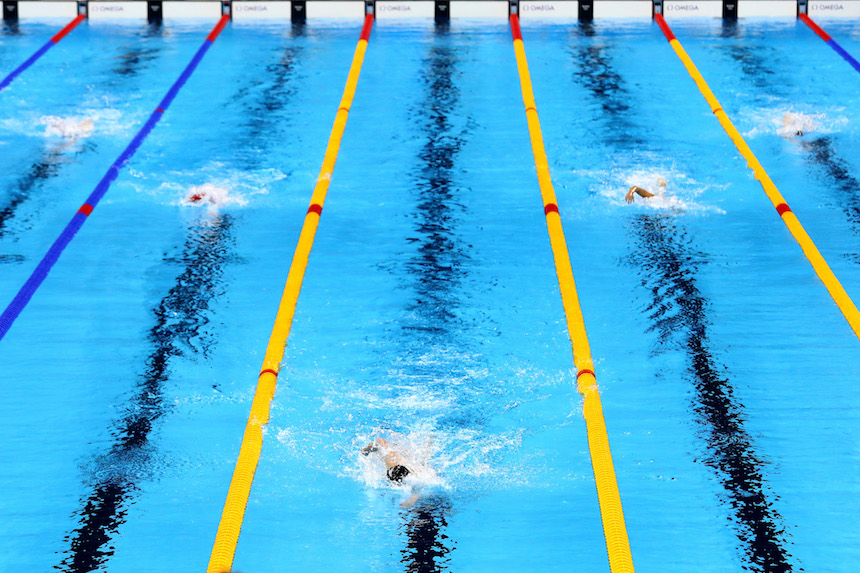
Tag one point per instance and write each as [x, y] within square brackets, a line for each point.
[397, 473]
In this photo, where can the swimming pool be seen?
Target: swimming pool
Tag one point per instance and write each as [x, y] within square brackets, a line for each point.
[430, 307]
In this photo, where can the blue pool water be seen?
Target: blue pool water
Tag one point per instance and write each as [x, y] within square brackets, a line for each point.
[430, 311]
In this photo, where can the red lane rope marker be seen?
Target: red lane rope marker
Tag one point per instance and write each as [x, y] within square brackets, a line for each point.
[815, 28]
[792, 223]
[830, 42]
[365, 30]
[40, 273]
[86, 209]
[585, 371]
[550, 208]
[219, 27]
[315, 208]
[69, 27]
[269, 371]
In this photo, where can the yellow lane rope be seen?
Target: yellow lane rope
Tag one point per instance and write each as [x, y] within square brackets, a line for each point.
[227, 537]
[614, 529]
[822, 269]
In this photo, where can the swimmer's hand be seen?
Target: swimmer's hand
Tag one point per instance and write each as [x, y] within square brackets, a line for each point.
[636, 191]
[409, 502]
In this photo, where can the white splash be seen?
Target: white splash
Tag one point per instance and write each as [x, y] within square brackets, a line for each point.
[669, 191]
[67, 127]
[789, 123]
[211, 196]
[795, 124]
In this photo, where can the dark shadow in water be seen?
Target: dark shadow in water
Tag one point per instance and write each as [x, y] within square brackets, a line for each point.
[275, 93]
[427, 546]
[47, 167]
[179, 330]
[595, 73]
[752, 59]
[668, 265]
[10, 29]
[437, 265]
[44, 169]
[139, 57]
[846, 188]
[819, 151]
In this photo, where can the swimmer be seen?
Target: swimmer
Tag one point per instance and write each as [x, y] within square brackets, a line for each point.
[70, 130]
[395, 468]
[789, 125]
[636, 190]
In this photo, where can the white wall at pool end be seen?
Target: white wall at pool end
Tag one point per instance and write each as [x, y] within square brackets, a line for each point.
[479, 9]
[767, 8]
[389, 9]
[254, 9]
[623, 9]
[565, 9]
[335, 9]
[47, 9]
[692, 9]
[833, 9]
[106, 10]
[185, 9]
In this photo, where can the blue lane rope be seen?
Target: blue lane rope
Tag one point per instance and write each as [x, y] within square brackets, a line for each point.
[52, 256]
[41, 51]
[848, 57]
[829, 41]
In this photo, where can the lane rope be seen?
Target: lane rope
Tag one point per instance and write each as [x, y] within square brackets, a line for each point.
[830, 41]
[227, 537]
[822, 269]
[52, 256]
[611, 513]
[41, 51]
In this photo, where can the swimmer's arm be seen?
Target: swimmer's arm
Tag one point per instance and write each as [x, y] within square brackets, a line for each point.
[409, 502]
[638, 191]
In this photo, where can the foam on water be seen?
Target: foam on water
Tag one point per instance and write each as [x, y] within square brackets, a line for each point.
[213, 186]
[211, 196]
[67, 127]
[787, 122]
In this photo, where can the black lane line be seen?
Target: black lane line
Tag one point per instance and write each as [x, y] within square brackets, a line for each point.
[42, 170]
[48, 166]
[426, 549]
[668, 263]
[437, 269]
[180, 330]
[271, 99]
[139, 57]
[845, 187]
[606, 87]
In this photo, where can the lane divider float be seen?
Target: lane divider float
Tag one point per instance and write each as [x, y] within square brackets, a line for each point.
[230, 525]
[41, 51]
[52, 256]
[830, 41]
[612, 515]
[822, 269]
